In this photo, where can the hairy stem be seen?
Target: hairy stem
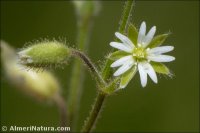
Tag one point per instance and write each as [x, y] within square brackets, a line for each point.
[123, 24]
[89, 123]
[90, 65]
[78, 74]
[125, 18]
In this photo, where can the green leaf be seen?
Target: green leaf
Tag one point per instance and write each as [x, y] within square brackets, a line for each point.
[133, 33]
[158, 40]
[118, 54]
[126, 78]
[160, 68]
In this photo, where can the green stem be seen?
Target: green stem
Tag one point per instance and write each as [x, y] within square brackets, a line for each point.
[128, 7]
[78, 74]
[89, 123]
[90, 66]
[126, 16]
[106, 73]
[60, 102]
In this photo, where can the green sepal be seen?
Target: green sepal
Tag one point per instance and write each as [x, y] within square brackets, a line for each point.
[117, 54]
[133, 33]
[160, 68]
[106, 71]
[158, 40]
[112, 86]
[126, 77]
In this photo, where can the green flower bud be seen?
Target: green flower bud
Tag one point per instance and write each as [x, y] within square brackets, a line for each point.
[44, 54]
[87, 8]
[39, 85]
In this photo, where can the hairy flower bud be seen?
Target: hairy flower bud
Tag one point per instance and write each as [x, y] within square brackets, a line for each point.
[44, 54]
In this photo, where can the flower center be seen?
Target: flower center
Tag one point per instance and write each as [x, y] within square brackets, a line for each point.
[139, 53]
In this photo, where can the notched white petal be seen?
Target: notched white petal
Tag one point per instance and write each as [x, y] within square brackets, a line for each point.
[125, 40]
[150, 71]
[149, 36]
[160, 50]
[121, 46]
[122, 61]
[124, 68]
[143, 75]
[161, 58]
[142, 32]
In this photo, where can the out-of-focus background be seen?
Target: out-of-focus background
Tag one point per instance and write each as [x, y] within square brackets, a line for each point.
[170, 105]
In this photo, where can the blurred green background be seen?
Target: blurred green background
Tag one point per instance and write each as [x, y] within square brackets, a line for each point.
[170, 106]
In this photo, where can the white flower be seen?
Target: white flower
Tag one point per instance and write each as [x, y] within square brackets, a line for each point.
[140, 55]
